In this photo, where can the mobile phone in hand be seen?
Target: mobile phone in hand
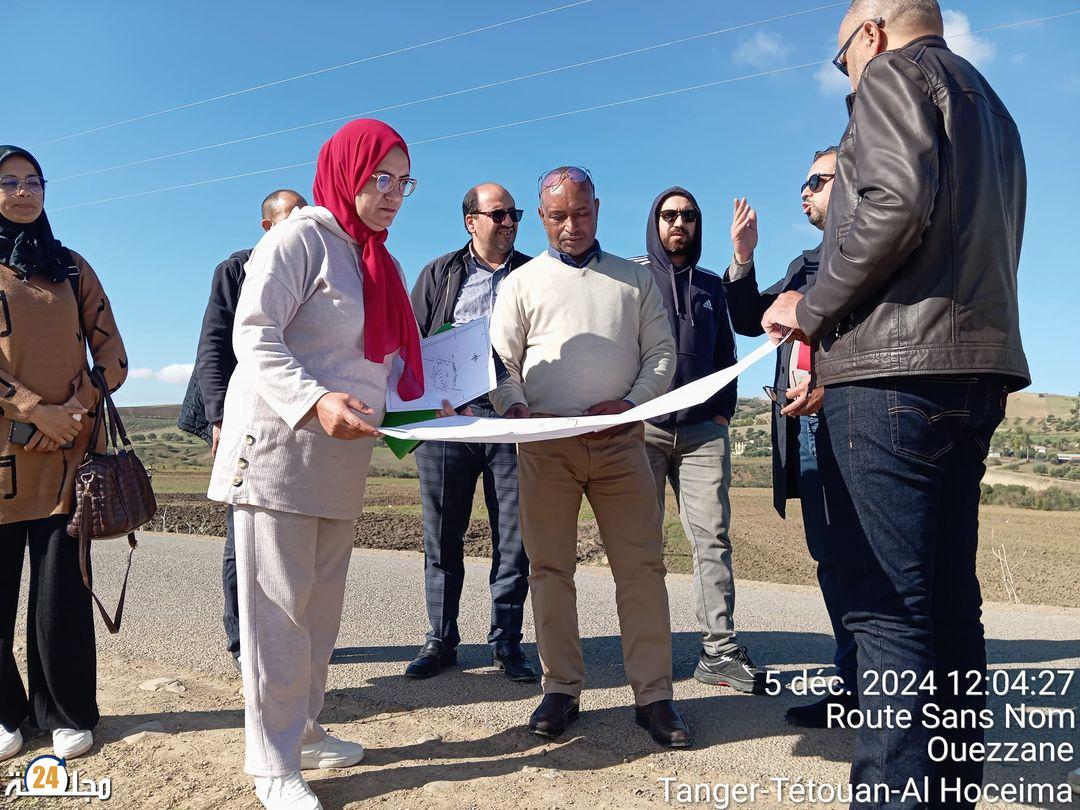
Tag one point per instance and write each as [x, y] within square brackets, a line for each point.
[23, 432]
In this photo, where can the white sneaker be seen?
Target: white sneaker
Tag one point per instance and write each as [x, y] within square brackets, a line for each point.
[69, 743]
[11, 743]
[286, 793]
[330, 752]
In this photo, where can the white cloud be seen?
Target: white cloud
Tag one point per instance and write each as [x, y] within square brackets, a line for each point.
[977, 50]
[174, 373]
[831, 82]
[764, 50]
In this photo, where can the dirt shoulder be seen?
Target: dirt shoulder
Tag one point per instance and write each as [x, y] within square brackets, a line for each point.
[1040, 546]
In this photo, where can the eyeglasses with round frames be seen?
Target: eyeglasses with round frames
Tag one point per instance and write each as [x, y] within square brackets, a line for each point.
[386, 182]
[10, 184]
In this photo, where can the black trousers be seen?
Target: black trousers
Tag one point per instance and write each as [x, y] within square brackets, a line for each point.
[230, 616]
[61, 656]
[449, 472]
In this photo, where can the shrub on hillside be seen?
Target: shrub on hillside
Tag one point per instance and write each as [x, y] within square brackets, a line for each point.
[1053, 499]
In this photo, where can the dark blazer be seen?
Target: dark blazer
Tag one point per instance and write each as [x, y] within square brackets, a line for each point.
[204, 403]
[747, 306]
[436, 290]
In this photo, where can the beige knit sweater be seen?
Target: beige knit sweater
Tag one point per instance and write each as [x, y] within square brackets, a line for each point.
[571, 337]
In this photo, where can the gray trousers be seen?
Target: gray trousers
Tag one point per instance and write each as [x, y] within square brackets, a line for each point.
[291, 573]
[696, 459]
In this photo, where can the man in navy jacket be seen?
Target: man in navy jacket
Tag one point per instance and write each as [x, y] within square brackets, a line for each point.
[204, 403]
[690, 448]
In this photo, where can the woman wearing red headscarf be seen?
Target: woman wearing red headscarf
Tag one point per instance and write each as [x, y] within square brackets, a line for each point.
[322, 315]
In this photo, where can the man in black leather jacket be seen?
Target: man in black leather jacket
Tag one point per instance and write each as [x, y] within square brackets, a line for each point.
[915, 314]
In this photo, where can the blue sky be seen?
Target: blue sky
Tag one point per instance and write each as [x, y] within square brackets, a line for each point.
[81, 66]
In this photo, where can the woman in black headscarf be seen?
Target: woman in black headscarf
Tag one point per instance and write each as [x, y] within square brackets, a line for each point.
[52, 307]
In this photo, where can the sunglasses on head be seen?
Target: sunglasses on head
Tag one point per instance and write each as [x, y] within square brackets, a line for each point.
[816, 182]
[499, 214]
[841, 57]
[670, 215]
[554, 178]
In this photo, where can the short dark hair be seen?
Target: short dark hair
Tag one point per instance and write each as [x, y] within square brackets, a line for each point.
[471, 203]
[276, 198]
[828, 150]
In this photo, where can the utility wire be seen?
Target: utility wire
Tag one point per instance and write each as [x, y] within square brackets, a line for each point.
[552, 116]
[309, 74]
[451, 94]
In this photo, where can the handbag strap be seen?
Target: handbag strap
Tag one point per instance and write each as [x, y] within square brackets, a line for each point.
[113, 624]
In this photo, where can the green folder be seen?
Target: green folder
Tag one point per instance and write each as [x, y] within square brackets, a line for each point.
[402, 447]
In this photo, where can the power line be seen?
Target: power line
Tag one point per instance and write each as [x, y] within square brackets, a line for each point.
[309, 74]
[451, 94]
[549, 117]
[451, 136]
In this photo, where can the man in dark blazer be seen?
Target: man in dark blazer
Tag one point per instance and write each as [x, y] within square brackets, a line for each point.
[457, 287]
[795, 421]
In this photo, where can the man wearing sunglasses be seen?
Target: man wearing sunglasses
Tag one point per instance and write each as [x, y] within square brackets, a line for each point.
[796, 429]
[582, 331]
[916, 322]
[457, 287]
[690, 448]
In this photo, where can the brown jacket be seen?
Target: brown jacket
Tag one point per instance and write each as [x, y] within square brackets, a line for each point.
[43, 338]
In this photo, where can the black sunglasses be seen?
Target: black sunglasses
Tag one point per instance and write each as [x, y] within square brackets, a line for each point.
[671, 215]
[841, 57]
[775, 394]
[499, 214]
[816, 182]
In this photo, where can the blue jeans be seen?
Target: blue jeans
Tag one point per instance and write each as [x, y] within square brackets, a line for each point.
[903, 490]
[816, 525]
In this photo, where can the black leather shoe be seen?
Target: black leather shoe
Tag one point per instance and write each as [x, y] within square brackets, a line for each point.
[513, 662]
[555, 712]
[662, 721]
[816, 715]
[432, 658]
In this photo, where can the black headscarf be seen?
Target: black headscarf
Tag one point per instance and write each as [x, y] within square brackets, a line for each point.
[31, 248]
[659, 258]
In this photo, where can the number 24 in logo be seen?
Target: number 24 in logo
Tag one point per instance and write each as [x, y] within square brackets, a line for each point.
[46, 776]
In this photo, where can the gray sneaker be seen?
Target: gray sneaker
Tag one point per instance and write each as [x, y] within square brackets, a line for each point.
[731, 668]
[1074, 781]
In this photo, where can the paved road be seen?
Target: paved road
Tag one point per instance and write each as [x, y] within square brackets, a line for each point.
[173, 618]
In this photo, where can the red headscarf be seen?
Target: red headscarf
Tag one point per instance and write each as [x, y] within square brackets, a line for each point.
[346, 163]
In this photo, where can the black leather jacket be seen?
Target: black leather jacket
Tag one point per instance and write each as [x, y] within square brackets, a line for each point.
[923, 234]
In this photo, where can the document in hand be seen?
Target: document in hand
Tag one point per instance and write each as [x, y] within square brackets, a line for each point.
[475, 429]
[458, 366]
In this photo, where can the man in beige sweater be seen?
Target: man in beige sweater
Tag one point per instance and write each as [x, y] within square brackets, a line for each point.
[584, 332]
